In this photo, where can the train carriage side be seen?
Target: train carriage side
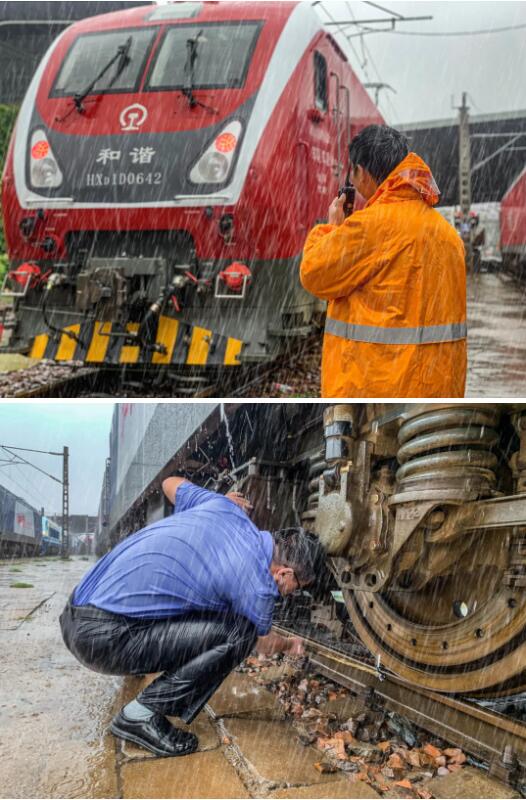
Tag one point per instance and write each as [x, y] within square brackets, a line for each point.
[513, 228]
[51, 541]
[20, 526]
[161, 221]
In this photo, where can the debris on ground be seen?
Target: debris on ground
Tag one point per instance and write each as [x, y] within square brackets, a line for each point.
[39, 375]
[299, 378]
[372, 745]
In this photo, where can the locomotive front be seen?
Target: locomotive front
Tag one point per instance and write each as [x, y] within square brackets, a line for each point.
[131, 196]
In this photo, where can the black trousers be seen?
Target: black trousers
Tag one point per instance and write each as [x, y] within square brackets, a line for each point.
[195, 652]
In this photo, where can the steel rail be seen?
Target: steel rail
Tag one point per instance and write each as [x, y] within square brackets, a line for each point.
[224, 384]
[485, 734]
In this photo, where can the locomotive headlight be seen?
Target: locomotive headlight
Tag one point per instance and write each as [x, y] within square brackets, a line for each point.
[213, 167]
[215, 164]
[44, 170]
[45, 174]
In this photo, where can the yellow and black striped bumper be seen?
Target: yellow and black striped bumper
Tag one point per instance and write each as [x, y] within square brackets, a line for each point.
[94, 343]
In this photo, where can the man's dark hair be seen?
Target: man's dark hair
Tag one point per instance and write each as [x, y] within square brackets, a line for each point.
[379, 149]
[301, 551]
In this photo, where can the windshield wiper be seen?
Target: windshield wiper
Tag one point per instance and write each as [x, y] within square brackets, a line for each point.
[191, 58]
[122, 55]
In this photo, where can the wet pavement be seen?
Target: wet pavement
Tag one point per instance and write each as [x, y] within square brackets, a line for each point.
[496, 337]
[54, 716]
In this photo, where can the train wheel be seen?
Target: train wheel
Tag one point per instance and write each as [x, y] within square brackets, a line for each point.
[462, 635]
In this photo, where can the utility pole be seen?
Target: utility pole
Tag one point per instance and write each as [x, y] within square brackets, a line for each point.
[15, 458]
[464, 179]
[64, 551]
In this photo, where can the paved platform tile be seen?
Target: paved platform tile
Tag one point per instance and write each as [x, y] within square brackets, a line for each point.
[241, 696]
[201, 727]
[275, 752]
[206, 775]
[470, 783]
[338, 789]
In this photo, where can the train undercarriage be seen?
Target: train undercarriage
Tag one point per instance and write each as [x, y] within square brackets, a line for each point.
[422, 510]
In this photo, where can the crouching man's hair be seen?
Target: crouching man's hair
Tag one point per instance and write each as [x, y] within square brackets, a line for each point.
[302, 551]
[379, 149]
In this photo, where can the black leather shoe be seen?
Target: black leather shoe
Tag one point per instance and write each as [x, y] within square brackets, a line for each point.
[155, 734]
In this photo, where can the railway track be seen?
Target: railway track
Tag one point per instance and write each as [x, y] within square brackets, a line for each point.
[52, 380]
[478, 728]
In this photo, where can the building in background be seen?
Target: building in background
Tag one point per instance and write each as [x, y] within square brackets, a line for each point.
[82, 529]
[437, 143]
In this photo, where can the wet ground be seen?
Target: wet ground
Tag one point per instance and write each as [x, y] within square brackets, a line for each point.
[54, 716]
[496, 337]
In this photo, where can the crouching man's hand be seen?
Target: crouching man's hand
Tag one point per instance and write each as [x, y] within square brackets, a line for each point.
[274, 643]
[240, 500]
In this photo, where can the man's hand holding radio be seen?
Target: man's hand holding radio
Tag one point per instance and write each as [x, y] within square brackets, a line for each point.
[336, 213]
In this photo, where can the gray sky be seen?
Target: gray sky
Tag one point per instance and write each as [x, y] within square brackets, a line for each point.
[41, 425]
[426, 71]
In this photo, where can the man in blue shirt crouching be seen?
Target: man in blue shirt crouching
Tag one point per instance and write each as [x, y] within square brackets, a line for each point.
[188, 596]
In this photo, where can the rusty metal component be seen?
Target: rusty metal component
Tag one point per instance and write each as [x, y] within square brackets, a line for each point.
[464, 633]
[103, 287]
[338, 431]
[334, 518]
[317, 465]
[515, 575]
[431, 559]
[445, 453]
[484, 734]
[518, 461]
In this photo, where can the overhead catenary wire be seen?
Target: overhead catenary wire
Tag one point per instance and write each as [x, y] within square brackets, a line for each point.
[367, 55]
[26, 494]
[32, 493]
[23, 460]
[322, 6]
[18, 461]
[443, 33]
[382, 8]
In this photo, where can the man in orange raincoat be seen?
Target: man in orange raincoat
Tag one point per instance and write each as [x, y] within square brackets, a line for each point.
[394, 275]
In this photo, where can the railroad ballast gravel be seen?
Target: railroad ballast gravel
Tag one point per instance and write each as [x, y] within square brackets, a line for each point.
[372, 745]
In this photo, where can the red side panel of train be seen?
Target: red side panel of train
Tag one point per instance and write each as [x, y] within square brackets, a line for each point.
[513, 216]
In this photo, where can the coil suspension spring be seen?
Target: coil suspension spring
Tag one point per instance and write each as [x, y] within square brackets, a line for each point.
[449, 448]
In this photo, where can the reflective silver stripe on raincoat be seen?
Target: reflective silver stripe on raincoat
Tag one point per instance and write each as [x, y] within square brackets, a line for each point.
[424, 334]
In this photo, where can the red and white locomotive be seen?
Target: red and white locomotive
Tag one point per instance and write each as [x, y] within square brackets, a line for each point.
[165, 168]
[513, 228]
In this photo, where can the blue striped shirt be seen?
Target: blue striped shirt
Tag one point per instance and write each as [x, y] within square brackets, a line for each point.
[207, 556]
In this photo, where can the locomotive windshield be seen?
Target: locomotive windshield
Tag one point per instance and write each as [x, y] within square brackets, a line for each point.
[221, 60]
[91, 53]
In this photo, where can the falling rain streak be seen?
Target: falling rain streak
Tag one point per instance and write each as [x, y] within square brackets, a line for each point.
[149, 239]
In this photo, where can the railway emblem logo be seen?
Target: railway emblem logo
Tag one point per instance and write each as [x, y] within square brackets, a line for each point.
[133, 117]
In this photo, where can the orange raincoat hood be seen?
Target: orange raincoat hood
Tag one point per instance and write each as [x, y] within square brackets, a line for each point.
[410, 175]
